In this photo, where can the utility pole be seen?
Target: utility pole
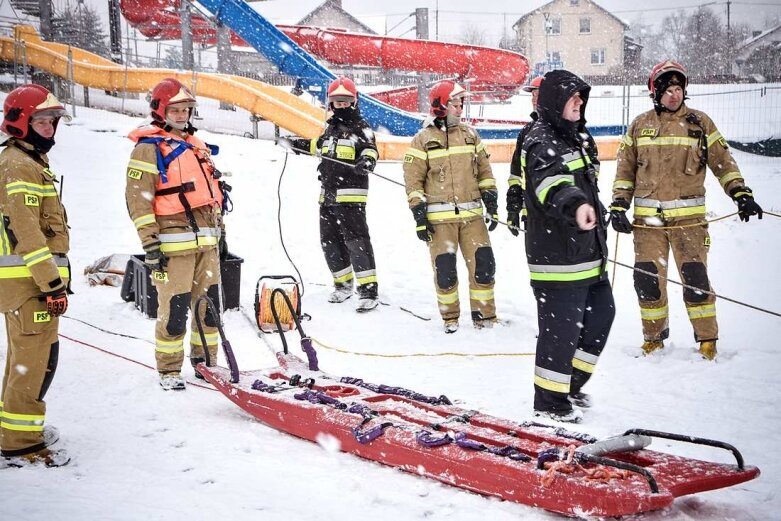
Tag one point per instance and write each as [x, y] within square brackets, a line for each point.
[548, 27]
[115, 30]
[47, 30]
[421, 33]
[188, 61]
[224, 57]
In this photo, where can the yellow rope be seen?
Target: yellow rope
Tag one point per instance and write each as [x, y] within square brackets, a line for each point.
[418, 355]
[285, 317]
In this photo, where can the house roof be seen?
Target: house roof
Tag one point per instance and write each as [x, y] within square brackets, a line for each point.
[334, 5]
[544, 7]
[755, 39]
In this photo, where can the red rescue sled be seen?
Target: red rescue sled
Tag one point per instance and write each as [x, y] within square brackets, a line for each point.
[529, 463]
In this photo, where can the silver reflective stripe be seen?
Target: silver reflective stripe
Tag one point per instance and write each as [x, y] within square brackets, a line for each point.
[570, 268]
[668, 205]
[343, 272]
[209, 232]
[16, 260]
[177, 237]
[367, 273]
[549, 181]
[352, 191]
[586, 357]
[447, 207]
[566, 158]
[346, 142]
[553, 376]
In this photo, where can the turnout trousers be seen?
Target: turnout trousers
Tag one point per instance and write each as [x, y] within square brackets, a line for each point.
[574, 324]
[690, 249]
[189, 277]
[30, 364]
[472, 237]
[344, 237]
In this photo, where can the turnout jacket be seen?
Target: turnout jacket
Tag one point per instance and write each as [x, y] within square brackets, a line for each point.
[348, 139]
[34, 237]
[561, 176]
[661, 164]
[448, 168]
[156, 195]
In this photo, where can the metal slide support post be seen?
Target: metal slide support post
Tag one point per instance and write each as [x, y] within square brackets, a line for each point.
[224, 58]
[71, 92]
[115, 30]
[421, 33]
[188, 61]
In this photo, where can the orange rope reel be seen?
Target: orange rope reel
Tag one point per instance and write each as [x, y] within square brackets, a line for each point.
[263, 313]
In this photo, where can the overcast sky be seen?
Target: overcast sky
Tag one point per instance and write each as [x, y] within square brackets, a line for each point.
[493, 17]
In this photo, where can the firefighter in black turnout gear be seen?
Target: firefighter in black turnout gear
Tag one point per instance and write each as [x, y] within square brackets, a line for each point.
[566, 248]
[344, 233]
[516, 182]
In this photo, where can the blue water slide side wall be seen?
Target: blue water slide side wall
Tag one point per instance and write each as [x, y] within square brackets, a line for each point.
[294, 61]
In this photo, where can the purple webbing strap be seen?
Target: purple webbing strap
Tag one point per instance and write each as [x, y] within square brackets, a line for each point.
[311, 354]
[505, 452]
[231, 359]
[319, 398]
[258, 385]
[398, 391]
[429, 440]
[372, 434]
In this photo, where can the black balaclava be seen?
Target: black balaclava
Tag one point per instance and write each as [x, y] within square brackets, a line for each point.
[557, 88]
[41, 144]
[662, 83]
[351, 113]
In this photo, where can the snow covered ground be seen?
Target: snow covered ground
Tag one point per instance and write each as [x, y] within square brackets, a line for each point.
[141, 453]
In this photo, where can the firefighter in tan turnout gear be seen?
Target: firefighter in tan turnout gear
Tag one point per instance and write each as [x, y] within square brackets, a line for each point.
[661, 166]
[34, 274]
[175, 201]
[447, 173]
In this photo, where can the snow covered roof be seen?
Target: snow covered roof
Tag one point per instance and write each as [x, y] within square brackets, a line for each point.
[549, 4]
[761, 36]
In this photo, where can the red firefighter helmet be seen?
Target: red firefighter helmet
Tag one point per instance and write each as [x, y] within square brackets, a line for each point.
[169, 92]
[27, 101]
[533, 85]
[342, 89]
[441, 94]
[662, 68]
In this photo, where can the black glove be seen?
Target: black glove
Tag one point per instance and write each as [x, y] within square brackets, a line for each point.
[514, 222]
[223, 248]
[57, 302]
[747, 206]
[364, 165]
[424, 228]
[154, 258]
[618, 216]
[491, 201]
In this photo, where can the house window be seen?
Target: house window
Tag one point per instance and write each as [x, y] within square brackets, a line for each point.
[554, 57]
[585, 25]
[574, 3]
[597, 56]
[553, 26]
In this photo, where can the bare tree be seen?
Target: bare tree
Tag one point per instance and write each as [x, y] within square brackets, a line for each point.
[472, 34]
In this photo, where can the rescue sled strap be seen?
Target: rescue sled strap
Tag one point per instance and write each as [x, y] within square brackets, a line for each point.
[397, 391]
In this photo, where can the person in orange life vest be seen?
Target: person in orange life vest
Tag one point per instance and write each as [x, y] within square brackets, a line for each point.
[175, 200]
[34, 274]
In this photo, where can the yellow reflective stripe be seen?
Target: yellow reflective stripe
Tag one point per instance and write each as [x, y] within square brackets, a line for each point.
[144, 220]
[550, 385]
[565, 277]
[351, 198]
[137, 164]
[23, 272]
[669, 140]
[416, 193]
[345, 152]
[169, 346]
[481, 294]
[452, 151]
[704, 311]
[451, 214]
[34, 257]
[514, 180]
[547, 184]
[479, 148]
[683, 212]
[178, 246]
[715, 136]
[583, 365]
[21, 187]
[22, 422]
[448, 298]
[626, 139]
[620, 184]
[645, 211]
[487, 183]
[211, 338]
[370, 152]
[653, 313]
[367, 280]
[343, 278]
[729, 177]
[414, 152]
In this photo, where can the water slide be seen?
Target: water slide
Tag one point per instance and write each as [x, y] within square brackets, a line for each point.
[292, 60]
[494, 74]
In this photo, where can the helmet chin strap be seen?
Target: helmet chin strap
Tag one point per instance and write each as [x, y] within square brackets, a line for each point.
[178, 126]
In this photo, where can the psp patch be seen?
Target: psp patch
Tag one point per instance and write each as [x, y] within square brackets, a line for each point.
[41, 316]
[31, 200]
[160, 276]
[132, 173]
[409, 158]
[648, 132]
